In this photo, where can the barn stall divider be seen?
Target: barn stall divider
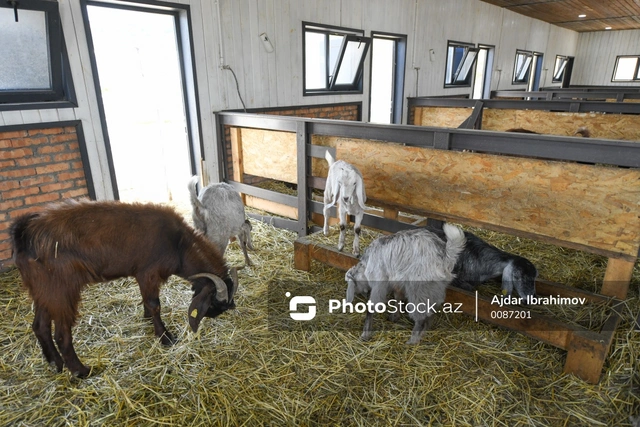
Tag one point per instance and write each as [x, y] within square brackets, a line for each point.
[572, 192]
[604, 120]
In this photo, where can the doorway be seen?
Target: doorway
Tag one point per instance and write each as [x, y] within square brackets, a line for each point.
[139, 68]
[387, 78]
[482, 78]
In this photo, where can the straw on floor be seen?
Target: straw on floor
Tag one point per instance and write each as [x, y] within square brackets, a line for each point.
[242, 369]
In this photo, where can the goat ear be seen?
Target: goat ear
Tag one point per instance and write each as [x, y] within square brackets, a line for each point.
[199, 306]
[351, 290]
[362, 197]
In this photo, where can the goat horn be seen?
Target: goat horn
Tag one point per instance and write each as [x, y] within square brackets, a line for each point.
[221, 287]
[233, 272]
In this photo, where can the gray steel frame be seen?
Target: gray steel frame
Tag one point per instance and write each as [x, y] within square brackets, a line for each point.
[610, 152]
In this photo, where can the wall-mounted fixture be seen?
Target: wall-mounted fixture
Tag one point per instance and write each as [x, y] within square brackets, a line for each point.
[432, 55]
[266, 42]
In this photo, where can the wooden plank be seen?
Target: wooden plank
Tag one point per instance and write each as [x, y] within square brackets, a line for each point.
[591, 206]
[272, 207]
[237, 160]
[600, 125]
[449, 117]
[586, 355]
[301, 259]
[270, 154]
[617, 278]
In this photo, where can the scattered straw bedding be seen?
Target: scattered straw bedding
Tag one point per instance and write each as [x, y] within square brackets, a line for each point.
[239, 371]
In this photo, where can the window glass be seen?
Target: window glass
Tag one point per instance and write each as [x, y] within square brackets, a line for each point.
[25, 63]
[626, 68]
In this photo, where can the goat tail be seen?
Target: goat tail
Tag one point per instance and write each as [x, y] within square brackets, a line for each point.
[21, 237]
[455, 244]
[329, 158]
[198, 207]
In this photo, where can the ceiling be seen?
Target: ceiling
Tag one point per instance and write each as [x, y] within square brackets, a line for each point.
[617, 14]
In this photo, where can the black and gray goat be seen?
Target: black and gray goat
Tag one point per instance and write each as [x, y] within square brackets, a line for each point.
[345, 186]
[481, 261]
[415, 265]
[219, 213]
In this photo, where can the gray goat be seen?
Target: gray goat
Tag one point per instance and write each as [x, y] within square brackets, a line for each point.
[345, 186]
[415, 265]
[219, 214]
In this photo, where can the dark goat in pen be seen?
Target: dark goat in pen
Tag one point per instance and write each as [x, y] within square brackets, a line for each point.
[66, 246]
[479, 261]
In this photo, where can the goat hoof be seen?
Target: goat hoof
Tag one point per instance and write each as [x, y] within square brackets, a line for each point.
[413, 341]
[167, 339]
[366, 336]
[82, 372]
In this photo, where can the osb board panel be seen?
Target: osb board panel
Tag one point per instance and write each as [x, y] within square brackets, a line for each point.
[449, 117]
[270, 154]
[604, 126]
[590, 206]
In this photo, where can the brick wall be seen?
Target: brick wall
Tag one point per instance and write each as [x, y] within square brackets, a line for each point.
[350, 111]
[37, 166]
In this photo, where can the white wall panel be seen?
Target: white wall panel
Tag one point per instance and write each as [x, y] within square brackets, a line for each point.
[225, 33]
[596, 55]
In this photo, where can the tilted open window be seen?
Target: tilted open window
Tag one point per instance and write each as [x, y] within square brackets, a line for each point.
[627, 69]
[522, 67]
[333, 59]
[34, 68]
[461, 58]
[559, 68]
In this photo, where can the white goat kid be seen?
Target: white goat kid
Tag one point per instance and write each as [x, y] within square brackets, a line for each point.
[219, 214]
[344, 186]
[415, 265]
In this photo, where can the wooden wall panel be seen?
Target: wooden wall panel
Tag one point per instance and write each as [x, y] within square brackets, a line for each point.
[441, 116]
[582, 206]
[604, 126]
[270, 154]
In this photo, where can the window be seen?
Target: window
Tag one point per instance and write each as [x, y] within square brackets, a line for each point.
[333, 59]
[388, 58]
[460, 60]
[522, 67]
[35, 68]
[559, 68]
[627, 69]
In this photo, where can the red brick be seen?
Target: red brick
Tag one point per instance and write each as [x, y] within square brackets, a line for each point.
[67, 176]
[33, 160]
[63, 138]
[41, 198]
[25, 142]
[16, 173]
[27, 209]
[15, 154]
[20, 192]
[14, 134]
[76, 165]
[65, 157]
[57, 186]
[70, 129]
[55, 148]
[5, 143]
[56, 167]
[11, 204]
[80, 192]
[49, 131]
[37, 180]
[5, 164]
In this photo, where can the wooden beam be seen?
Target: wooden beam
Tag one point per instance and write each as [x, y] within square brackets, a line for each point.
[236, 156]
[617, 278]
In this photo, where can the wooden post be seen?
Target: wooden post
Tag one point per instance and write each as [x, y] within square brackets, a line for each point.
[617, 278]
[301, 256]
[236, 154]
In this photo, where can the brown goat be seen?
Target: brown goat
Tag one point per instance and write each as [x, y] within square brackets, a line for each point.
[69, 245]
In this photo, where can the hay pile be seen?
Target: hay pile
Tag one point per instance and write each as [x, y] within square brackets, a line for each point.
[242, 369]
